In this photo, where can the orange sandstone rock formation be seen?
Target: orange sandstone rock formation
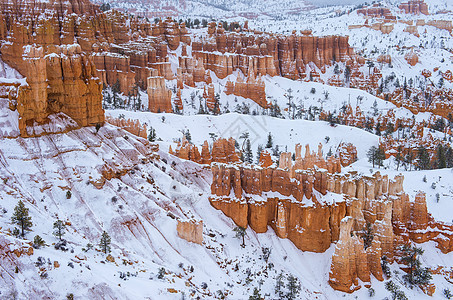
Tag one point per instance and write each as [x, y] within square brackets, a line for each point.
[159, 96]
[415, 7]
[190, 230]
[129, 125]
[252, 89]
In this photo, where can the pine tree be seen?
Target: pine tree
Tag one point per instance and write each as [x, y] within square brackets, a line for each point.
[20, 217]
[293, 287]
[104, 243]
[152, 135]
[38, 242]
[279, 285]
[397, 294]
[378, 129]
[60, 228]
[409, 158]
[248, 156]
[188, 136]
[258, 153]
[441, 157]
[367, 235]
[398, 157]
[240, 234]
[270, 142]
[161, 273]
[256, 295]
[115, 91]
[371, 154]
[423, 158]
[385, 267]
[380, 157]
[417, 274]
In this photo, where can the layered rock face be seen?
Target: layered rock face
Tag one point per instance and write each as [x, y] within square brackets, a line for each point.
[268, 54]
[190, 230]
[251, 88]
[415, 7]
[64, 81]
[132, 126]
[66, 6]
[291, 201]
[223, 151]
[159, 96]
[349, 262]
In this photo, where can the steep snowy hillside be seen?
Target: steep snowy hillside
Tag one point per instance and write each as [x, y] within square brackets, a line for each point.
[138, 207]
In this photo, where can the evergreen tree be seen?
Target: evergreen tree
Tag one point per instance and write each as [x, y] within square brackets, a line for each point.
[279, 285]
[367, 235]
[397, 294]
[256, 295]
[370, 65]
[258, 153]
[105, 242]
[423, 158]
[270, 141]
[245, 135]
[347, 73]
[398, 157]
[38, 242]
[201, 110]
[20, 217]
[188, 136]
[385, 266]
[409, 158]
[293, 287]
[380, 157]
[248, 156]
[441, 161]
[240, 234]
[152, 135]
[390, 128]
[60, 228]
[417, 274]
[371, 154]
[116, 91]
[161, 273]
[266, 253]
[378, 129]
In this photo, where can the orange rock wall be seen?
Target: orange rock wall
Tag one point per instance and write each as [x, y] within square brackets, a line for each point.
[190, 230]
[415, 7]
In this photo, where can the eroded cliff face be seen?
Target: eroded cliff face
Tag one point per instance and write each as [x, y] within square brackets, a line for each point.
[222, 151]
[61, 82]
[415, 7]
[267, 54]
[314, 207]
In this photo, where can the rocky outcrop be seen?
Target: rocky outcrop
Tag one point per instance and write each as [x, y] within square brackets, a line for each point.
[251, 88]
[411, 58]
[223, 151]
[190, 230]
[350, 261]
[64, 81]
[247, 194]
[115, 69]
[268, 54]
[375, 12]
[131, 126]
[347, 153]
[159, 96]
[415, 7]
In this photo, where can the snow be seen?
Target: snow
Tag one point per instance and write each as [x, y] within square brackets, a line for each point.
[139, 205]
